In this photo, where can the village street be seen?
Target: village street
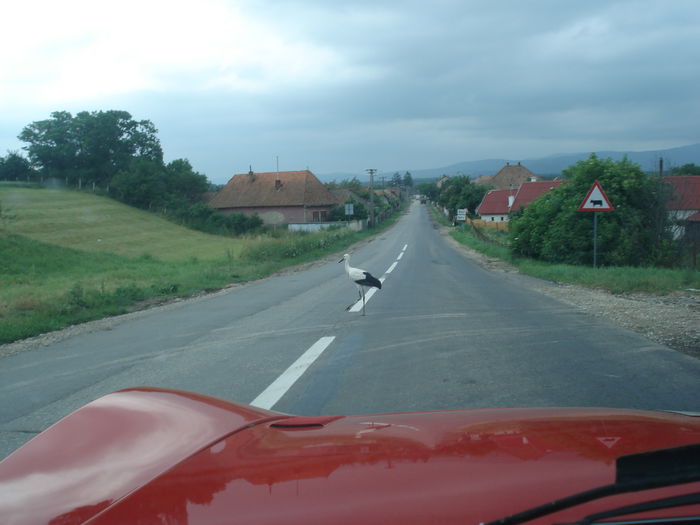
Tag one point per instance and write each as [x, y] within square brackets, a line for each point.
[442, 333]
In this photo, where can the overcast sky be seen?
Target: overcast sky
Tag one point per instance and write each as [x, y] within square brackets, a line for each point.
[345, 86]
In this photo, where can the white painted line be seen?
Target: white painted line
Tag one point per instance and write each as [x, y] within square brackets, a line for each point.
[391, 268]
[399, 257]
[357, 307]
[404, 247]
[273, 393]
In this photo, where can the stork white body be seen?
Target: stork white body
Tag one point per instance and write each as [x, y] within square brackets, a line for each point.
[361, 278]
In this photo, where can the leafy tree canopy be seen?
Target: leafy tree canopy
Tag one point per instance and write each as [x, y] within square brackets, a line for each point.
[686, 169]
[552, 229]
[15, 167]
[460, 192]
[91, 146]
[429, 189]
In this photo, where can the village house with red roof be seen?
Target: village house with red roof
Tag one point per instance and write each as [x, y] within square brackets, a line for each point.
[277, 197]
[498, 204]
[684, 206]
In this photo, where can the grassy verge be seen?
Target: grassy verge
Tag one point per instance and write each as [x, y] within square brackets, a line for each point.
[67, 258]
[613, 279]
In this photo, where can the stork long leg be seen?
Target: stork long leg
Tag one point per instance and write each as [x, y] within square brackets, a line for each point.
[359, 296]
[363, 300]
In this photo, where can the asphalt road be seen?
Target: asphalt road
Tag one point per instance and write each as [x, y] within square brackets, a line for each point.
[442, 333]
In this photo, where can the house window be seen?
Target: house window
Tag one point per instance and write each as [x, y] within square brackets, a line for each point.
[320, 216]
[491, 219]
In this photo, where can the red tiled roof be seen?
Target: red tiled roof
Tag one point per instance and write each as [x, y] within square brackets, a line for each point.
[686, 192]
[695, 217]
[495, 202]
[529, 191]
[286, 188]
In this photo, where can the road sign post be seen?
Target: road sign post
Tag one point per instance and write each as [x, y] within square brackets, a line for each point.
[462, 214]
[596, 201]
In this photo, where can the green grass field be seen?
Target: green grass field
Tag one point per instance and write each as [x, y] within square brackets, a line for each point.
[68, 257]
[97, 224]
[613, 279]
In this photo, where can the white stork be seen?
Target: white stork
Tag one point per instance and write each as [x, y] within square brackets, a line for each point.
[361, 279]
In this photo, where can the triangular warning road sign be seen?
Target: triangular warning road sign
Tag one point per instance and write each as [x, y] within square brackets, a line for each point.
[596, 200]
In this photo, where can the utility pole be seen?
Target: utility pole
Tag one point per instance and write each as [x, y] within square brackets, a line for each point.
[371, 172]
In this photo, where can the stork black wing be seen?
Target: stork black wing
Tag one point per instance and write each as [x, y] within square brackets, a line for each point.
[370, 280]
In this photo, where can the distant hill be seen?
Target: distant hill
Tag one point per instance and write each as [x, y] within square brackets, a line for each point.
[553, 164]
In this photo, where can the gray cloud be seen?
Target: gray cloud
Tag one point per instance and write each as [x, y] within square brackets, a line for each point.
[422, 84]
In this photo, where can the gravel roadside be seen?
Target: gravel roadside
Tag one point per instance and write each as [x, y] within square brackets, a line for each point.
[671, 320]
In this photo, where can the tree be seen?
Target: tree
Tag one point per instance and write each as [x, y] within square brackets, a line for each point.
[52, 146]
[15, 167]
[636, 233]
[183, 182]
[142, 184]
[460, 192]
[429, 189]
[686, 169]
[407, 179]
[396, 180]
[92, 147]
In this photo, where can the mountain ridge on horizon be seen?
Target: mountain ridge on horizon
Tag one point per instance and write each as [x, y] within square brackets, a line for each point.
[549, 165]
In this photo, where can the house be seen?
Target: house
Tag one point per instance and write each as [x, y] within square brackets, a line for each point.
[497, 204]
[684, 205]
[441, 181]
[277, 197]
[509, 177]
[529, 191]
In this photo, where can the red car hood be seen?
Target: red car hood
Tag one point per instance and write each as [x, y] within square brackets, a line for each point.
[153, 456]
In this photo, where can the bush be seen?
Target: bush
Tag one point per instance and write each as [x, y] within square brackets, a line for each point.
[207, 219]
[551, 228]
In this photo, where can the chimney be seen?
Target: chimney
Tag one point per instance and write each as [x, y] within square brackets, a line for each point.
[251, 175]
[278, 184]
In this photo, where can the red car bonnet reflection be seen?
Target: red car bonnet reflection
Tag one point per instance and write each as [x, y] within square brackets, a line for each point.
[448, 467]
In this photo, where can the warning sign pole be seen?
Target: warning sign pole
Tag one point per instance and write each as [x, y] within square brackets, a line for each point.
[596, 201]
[595, 239]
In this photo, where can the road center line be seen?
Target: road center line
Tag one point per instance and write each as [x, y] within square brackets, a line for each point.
[404, 247]
[391, 268]
[399, 257]
[273, 393]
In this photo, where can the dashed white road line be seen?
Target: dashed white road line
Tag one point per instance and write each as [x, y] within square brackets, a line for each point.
[358, 305]
[280, 386]
[273, 393]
